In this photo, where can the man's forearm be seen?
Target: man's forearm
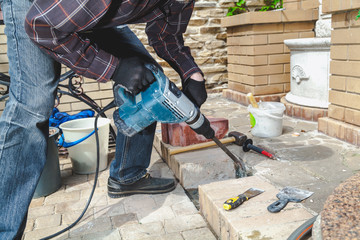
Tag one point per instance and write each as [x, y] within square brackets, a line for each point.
[166, 37]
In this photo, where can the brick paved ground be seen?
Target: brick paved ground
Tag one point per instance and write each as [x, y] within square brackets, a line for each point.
[164, 216]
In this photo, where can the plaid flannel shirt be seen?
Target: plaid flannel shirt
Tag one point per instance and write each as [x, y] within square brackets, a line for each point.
[56, 26]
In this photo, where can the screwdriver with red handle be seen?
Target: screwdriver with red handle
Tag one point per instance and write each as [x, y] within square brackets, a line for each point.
[248, 145]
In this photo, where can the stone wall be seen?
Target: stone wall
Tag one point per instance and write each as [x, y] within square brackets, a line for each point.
[343, 120]
[258, 60]
[205, 37]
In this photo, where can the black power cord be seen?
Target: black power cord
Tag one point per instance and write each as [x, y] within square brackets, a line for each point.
[109, 106]
[304, 231]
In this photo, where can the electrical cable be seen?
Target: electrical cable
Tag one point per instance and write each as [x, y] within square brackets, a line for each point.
[109, 106]
[303, 231]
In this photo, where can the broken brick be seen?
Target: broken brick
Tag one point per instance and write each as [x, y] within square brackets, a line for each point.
[180, 134]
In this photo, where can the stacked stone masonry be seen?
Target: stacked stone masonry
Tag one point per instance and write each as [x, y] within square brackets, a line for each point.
[258, 59]
[204, 35]
[343, 120]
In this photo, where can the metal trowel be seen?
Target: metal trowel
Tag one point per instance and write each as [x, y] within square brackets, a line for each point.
[288, 194]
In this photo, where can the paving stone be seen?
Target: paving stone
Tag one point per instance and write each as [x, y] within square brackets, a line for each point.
[37, 202]
[70, 216]
[155, 215]
[109, 210]
[111, 201]
[198, 234]
[70, 206]
[41, 233]
[183, 223]
[112, 234]
[99, 191]
[274, 171]
[62, 197]
[123, 219]
[170, 236]
[141, 231]
[176, 196]
[29, 225]
[184, 208]
[93, 226]
[48, 221]
[201, 167]
[138, 203]
[40, 211]
[77, 186]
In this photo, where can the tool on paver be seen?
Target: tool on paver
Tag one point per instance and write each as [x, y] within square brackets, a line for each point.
[162, 101]
[234, 202]
[288, 194]
[248, 145]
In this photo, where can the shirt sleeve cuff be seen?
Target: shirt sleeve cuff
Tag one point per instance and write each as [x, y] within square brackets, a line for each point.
[188, 69]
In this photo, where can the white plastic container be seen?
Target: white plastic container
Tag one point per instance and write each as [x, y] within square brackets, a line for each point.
[267, 120]
[83, 155]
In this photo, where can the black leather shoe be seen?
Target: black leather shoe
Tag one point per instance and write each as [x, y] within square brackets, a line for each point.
[145, 185]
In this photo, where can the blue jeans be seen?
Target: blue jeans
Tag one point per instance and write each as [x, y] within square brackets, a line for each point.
[24, 124]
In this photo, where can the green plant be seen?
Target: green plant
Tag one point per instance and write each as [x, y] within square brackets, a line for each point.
[272, 5]
[240, 7]
[358, 16]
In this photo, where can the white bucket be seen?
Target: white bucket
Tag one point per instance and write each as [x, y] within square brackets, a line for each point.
[83, 155]
[267, 120]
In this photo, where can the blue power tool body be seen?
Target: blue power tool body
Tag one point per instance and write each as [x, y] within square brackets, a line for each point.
[162, 101]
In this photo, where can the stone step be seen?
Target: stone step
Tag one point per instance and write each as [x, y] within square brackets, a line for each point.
[198, 167]
[251, 220]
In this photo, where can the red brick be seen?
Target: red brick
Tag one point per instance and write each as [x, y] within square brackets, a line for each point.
[353, 85]
[289, 109]
[299, 26]
[339, 20]
[319, 113]
[337, 82]
[351, 135]
[280, 37]
[306, 113]
[323, 125]
[180, 134]
[337, 112]
[336, 129]
[352, 117]
[296, 111]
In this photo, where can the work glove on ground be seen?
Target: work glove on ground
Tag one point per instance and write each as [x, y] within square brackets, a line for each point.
[132, 75]
[195, 91]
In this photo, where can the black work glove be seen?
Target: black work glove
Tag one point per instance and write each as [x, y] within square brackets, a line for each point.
[132, 75]
[195, 91]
